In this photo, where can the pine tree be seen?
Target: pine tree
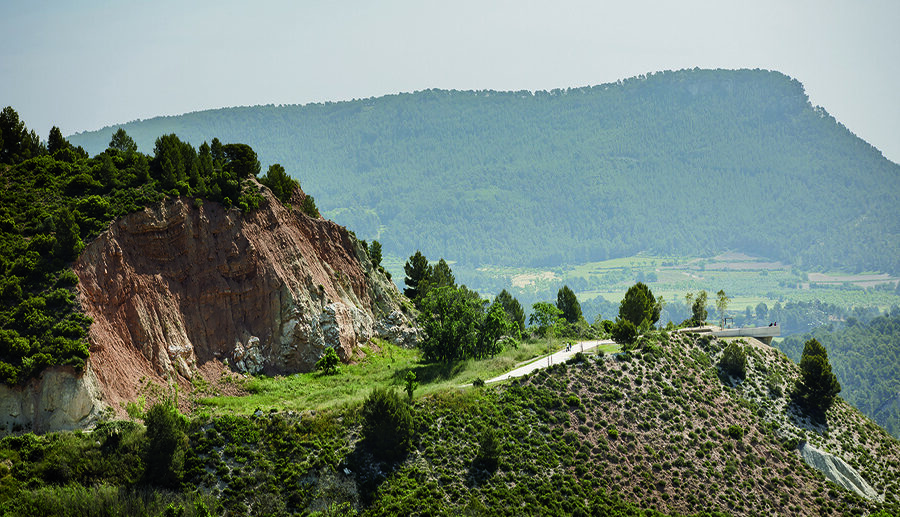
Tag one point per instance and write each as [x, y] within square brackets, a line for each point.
[55, 141]
[818, 386]
[567, 302]
[639, 306]
[375, 253]
[418, 274]
[120, 141]
[513, 309]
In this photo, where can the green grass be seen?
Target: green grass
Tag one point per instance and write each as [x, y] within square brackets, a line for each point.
[383, 365]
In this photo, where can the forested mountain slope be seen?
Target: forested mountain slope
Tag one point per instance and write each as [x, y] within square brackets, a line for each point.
[691, 161]
[866, 359]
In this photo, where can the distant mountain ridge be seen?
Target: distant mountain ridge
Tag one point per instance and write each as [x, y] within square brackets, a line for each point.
[691, 161]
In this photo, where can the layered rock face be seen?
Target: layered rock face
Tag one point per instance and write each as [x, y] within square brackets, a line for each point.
[173, 287]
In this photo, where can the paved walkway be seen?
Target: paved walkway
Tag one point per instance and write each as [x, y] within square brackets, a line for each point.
[555, 358]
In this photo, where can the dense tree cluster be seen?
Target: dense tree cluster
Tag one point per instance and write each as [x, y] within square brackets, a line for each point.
[17, 143]
[457, 322]
[217, 172]
[772, 167]
[54, 197]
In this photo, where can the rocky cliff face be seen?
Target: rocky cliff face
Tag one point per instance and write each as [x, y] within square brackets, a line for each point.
[61, 399]
[182, 284]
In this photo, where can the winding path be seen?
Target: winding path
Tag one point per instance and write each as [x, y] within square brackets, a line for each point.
[554, 358]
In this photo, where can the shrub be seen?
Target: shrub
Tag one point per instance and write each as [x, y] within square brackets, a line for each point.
[411, 384]
[624, 332]
[579, 357]
[736, 432]
[387, 424]
[734, 361]
[309, 207]
[488, 450]
[166, 444]
[328, 363]
[773, 382]
[478, 382]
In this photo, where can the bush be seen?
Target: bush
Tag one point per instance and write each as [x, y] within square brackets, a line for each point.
[488, 450]
[411, 384]
[166, 444]
[734, 360]
[624, 332]
[579, 357]
[387, 424]
[309, 207]
[329, 362]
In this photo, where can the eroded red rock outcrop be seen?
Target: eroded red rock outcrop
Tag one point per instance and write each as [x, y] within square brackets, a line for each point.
[173, 287]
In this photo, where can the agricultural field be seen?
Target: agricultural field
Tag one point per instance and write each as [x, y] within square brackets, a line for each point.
[748, 281]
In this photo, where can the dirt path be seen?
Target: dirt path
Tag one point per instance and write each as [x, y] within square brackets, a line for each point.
[555, 358]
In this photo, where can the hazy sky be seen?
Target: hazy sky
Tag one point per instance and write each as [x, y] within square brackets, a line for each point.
[82, 65]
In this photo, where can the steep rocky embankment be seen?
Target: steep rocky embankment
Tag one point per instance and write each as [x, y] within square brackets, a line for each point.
[183, 284]
[60, 399]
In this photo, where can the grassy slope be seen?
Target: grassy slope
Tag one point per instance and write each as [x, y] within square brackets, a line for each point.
[658, 430]
[379, 365]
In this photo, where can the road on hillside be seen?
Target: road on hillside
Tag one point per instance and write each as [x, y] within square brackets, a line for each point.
[556, 358]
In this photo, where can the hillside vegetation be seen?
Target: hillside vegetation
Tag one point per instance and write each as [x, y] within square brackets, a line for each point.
[865, 357]
[658, 429]
[690, 162]
[54, 198]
